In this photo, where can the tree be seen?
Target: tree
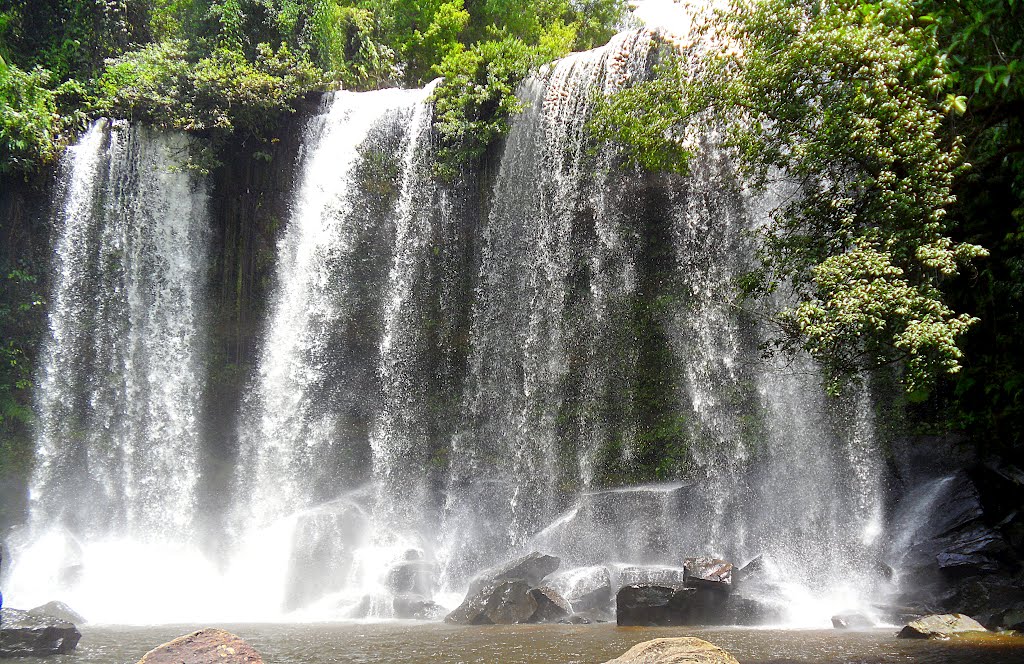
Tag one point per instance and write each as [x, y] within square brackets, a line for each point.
[849, 100]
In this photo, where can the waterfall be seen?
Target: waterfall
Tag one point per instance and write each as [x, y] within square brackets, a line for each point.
[336, 399]
[118, 403]
[544, 355]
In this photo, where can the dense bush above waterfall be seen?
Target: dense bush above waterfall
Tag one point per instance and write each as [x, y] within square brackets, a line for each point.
[223, 66]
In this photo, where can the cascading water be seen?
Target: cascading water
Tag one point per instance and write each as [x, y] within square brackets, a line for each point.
[443, 382]
[118, 442]
[334, 397]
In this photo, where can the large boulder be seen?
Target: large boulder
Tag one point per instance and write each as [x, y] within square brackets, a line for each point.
[531, 568]
[551, 606]
[585, 588]
[940, 627]
[207, 646]
[658, 605]
[680, 650]
[25, 635]
[60, 611]
[500, 603]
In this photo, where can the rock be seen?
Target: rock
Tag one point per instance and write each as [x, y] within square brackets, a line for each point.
[25, 635]
[531, 568]
[852, 621]
[502, 603]
[749, 611]
[1010, 619]
[418, 577]
[971, 551]
[710, 573]
[680, 650]
[510, 603]
[940, 627]
[60, 611]
[551, 606]
[207, 646]
[409, 606]
[648, 604]
[585, 588]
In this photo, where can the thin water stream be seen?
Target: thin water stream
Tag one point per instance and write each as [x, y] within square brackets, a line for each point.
[532, 644]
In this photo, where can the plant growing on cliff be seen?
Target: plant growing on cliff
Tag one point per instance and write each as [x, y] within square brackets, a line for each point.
[848, 100]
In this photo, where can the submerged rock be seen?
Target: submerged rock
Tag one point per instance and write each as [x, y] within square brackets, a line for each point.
[204, 647]
[23, 634]
[851, 621]
[680, 650]
[940, 627]
[60, 611]
[551, 606]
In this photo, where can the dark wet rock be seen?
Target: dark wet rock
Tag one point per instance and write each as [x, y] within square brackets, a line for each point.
[409, 606]
[679, 650]
[1009, 619]
[648, 604]
[710, 573]
[501, 603]
[531, 568]
[60, 611]
[852, 621]
[551, 606]
[204, 647]
[983, 596]
[418, 577]
[501, 595]
[940, 627]
[750, 611]
[585, 588]
[25, 635]
[510, 603]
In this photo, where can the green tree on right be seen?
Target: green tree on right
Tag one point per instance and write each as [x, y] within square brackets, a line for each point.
[879, 115]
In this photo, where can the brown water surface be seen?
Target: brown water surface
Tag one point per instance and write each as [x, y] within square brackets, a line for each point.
[535, 644]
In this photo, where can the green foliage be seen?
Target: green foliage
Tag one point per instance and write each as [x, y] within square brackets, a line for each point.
[846, 99]
[473, 104]
[28, 119]
[649, 118]
[15, 361]
[217, 94]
